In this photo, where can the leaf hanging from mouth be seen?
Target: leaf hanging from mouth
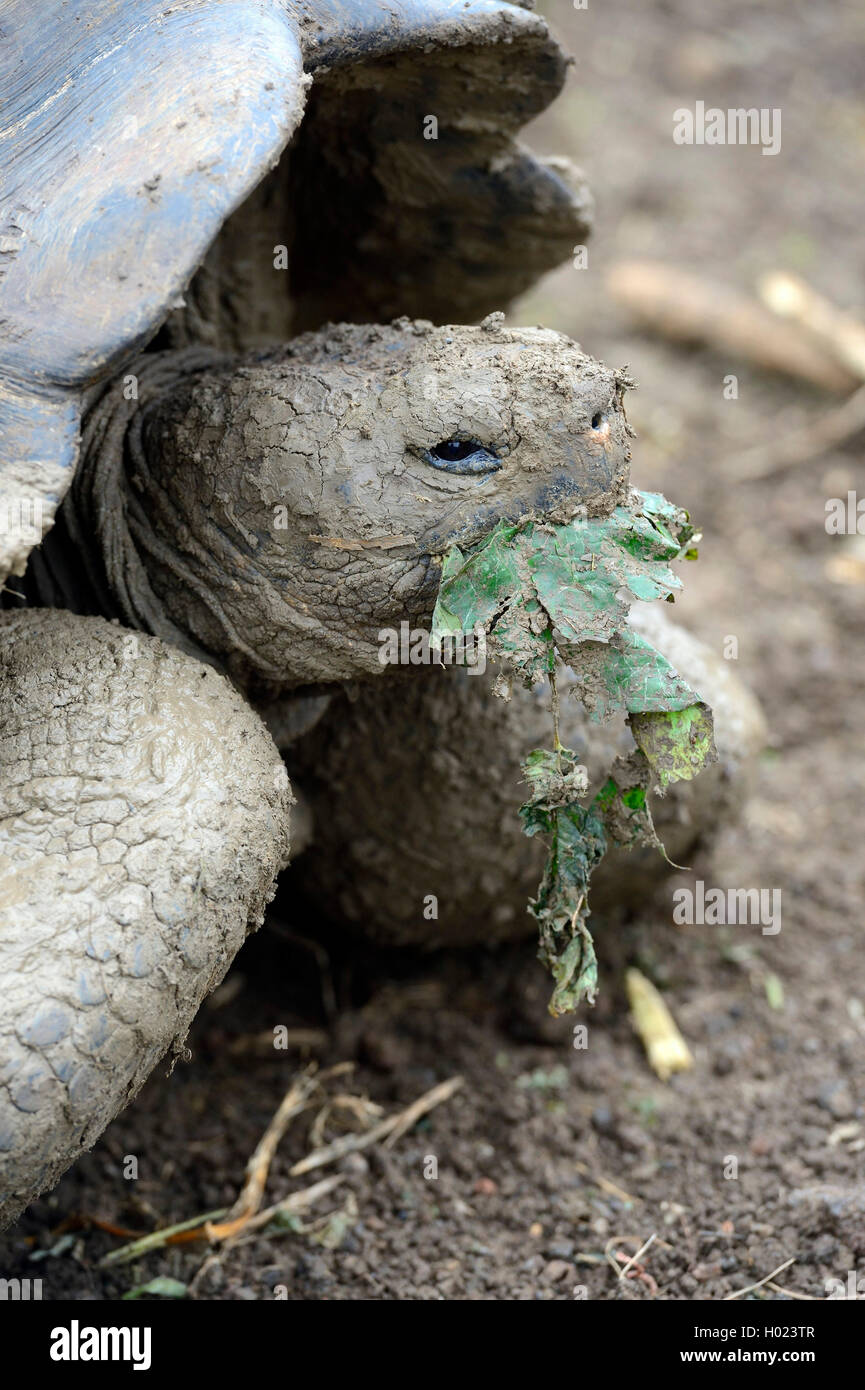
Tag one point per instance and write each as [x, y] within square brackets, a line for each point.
[544, 594]
[576, 844]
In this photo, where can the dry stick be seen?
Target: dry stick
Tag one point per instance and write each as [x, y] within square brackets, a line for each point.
[418, 1108]
[197, 1227]
[843, 338]
[290, 1206]
[164, 1236]
[841, 333]
[751, 1287]
[818, 344]
[394, 1126]
[294, 1101]
[642, 1250]
[363, 1110]
[605, 1184]
[687, 308]
[244, 1215]
[792, 450]
[791, 1293]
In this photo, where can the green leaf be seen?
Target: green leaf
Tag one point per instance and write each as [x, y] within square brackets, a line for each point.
[524, 584]
[677, 743]
[473, 587]
[627, 674]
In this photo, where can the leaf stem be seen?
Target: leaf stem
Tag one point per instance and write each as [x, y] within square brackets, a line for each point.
[554, 701]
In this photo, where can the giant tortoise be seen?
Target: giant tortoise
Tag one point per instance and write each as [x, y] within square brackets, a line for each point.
[214, 499]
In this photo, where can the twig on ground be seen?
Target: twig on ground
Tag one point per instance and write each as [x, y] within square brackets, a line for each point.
[296, 1099]
[842, 334]
[245, 1216]
[792, 450]
[210, 1225]
[605, 1184]
[394, 1125]
[289, 1206]
[687, 308]
[166, 1235]
[791, 1293]
[292, 1205]
[363, 1109]
[420, 1107]
[740, 1293]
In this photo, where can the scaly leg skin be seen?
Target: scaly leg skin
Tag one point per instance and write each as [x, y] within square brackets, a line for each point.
[144, 814]
[415, 790]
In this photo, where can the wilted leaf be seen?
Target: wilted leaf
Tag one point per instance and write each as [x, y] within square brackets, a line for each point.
[576, 844]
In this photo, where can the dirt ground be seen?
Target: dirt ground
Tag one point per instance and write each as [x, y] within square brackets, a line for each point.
[551, 1159]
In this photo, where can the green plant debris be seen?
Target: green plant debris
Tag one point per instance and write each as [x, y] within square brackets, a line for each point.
[623, 804]
[677, 743]
[774, 991]
[556, 1078]
[161, 1287]
[545, 594]
[554, 778]
[577, 582]
[576, 844]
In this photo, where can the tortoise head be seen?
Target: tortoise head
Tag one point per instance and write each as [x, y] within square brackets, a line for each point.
[288, 506]
[239, 171]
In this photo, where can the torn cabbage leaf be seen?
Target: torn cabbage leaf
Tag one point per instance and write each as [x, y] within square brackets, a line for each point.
[543, 594]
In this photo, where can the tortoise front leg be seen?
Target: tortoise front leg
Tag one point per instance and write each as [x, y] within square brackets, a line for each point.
[143, 818]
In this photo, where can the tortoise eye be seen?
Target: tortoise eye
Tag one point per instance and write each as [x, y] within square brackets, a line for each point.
[462, 456]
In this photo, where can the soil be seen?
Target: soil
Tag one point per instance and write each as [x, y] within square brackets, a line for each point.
[553, 1157]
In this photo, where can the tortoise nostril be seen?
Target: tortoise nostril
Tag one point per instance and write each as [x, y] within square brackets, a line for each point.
[598, 420]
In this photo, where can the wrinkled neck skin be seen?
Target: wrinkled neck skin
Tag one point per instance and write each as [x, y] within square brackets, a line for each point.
[282, 509]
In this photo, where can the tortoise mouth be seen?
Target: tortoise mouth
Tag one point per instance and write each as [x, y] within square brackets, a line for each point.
[558, 499]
